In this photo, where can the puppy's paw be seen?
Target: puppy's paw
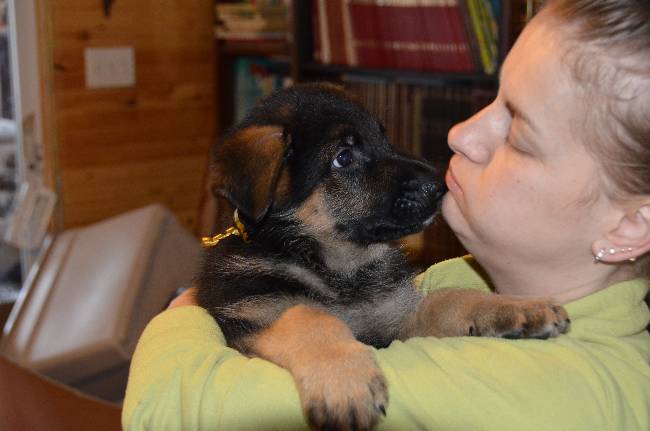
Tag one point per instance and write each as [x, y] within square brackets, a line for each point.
[461, 312]
[343, 388]
[514, 318]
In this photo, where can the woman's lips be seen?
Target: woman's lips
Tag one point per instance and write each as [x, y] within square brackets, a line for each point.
[452, 184]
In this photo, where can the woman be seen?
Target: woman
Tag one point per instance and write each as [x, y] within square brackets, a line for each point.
[550, 192]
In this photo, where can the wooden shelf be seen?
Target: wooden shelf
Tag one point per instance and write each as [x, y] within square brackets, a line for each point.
[253, 47]
[403, 76]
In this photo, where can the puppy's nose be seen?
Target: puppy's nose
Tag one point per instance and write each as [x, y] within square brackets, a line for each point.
[418, 197]
[419, 189]
[434, 188]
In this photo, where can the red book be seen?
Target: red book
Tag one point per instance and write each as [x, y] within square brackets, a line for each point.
[423, 35]
[366, 34]
[405, 30]
[322, 27]
[469, 34]
[335, 22]
[332, 32]
[465, 57]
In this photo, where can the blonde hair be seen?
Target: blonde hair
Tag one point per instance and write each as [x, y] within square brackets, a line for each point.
[610, 56]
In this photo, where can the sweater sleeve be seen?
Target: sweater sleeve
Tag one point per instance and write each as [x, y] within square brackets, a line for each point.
[458, 272]
[493, 384]
[183, 377]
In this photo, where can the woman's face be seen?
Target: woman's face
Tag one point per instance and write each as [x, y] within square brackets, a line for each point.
[522, 186]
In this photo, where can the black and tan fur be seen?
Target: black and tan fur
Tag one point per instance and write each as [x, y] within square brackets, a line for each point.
[318, 281]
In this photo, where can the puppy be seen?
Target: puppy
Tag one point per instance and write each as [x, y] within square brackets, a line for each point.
[309, 279]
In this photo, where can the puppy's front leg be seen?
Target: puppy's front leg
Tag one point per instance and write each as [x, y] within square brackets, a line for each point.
[459, 312]
[340, 385]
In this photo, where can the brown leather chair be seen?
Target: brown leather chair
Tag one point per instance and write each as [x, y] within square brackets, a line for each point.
[29, 402]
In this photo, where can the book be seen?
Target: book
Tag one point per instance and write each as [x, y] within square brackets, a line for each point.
[255, 78]
[415, 35]
[332, 32]
[483, 42]
[490, 29]
[457, 36]
[252, 20]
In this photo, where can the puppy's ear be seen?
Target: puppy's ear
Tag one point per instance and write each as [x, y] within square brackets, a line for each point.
[248, 164]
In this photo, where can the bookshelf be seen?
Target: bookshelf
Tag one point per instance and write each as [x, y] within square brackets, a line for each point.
[312, 70]
[255, 48]
[227, 54]
[388, 88]
[513, 13]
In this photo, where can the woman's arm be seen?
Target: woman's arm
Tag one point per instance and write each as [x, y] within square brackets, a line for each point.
[184, 378]
[597, 377]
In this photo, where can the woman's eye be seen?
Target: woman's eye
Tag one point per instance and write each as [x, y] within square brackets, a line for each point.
[517, 148]
[343, 159]
[515, 144]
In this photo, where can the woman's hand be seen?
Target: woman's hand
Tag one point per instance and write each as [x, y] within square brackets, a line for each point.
[188, 297]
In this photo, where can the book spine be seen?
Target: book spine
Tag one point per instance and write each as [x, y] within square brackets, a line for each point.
[323, 25]
[491, 29]
[393, 123]
[350, 52]
[464, 57]
[365, 34]
[334, 11]
[417, 95]
[474, 14]
[432, 28]
[423, 35]
[470, 34]
[451, 38]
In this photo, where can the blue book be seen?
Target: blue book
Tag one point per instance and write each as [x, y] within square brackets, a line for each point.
[255, 78]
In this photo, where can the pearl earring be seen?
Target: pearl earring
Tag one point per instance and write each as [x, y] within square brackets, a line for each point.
[598, 257]
[632, 259]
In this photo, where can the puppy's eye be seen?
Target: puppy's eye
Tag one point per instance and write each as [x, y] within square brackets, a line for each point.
[343, 159]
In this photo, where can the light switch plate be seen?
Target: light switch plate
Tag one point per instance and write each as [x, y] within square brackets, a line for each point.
[110, 67]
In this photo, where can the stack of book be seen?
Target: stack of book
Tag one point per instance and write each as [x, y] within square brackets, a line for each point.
[425, 35]
[417, 120]
[252, 20]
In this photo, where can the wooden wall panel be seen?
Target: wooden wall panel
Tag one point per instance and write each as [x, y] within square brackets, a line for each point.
[118, 149]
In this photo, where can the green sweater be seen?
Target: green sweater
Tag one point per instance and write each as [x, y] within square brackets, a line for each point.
[597, 377]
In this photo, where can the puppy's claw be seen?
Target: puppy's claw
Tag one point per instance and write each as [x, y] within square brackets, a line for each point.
[514, 335]
[515, 319]
[346, 393]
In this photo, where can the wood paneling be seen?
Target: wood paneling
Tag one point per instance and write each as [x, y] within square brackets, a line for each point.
[118, 149]
[29, 401]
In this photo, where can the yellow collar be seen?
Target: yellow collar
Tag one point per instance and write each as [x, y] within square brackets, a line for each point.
[237, 230]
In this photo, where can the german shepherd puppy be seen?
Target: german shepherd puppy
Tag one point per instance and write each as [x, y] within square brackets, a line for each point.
[320, 193]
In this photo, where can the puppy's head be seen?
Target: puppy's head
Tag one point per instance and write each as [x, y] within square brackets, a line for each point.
[313, 153]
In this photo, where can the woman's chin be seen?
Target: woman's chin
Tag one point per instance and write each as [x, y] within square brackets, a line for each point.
[450, 211]
[454, 217]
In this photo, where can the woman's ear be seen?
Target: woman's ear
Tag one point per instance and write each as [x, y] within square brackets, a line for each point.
[628, 240]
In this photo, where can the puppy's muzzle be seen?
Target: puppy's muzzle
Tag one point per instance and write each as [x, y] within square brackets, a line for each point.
[418, 199]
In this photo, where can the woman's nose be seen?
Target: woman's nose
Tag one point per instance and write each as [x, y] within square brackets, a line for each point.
[472, 138]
